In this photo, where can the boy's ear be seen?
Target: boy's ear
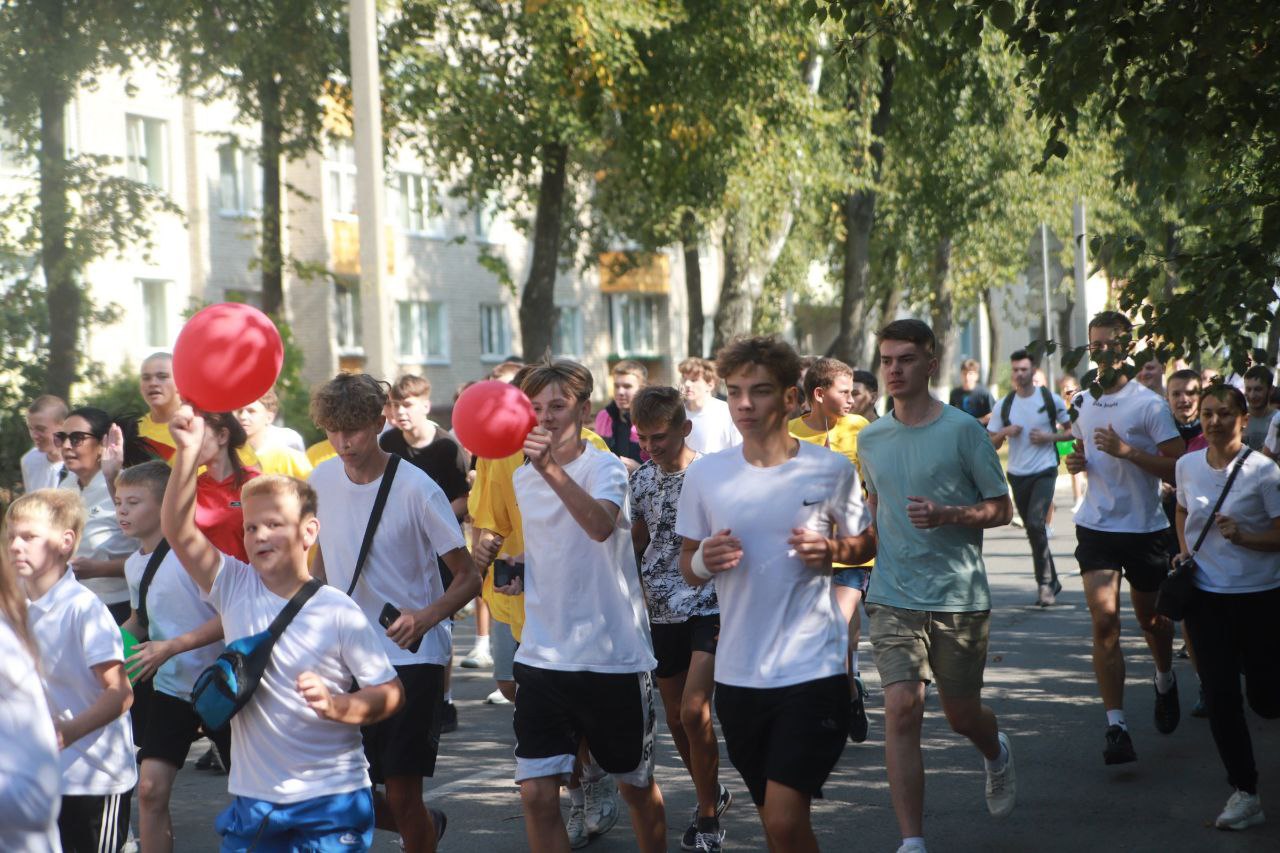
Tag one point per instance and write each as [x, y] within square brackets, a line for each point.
[67, 544]
[686, 428]
[310, 531]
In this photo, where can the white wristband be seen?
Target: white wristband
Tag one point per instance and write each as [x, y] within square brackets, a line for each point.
[698, 565]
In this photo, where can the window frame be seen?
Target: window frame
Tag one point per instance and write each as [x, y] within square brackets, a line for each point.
[138, 162]
[618, 319]
[337, 167]
[148, 314]
[578, 342]
[420, 318]
[247, 179]
[500, 310]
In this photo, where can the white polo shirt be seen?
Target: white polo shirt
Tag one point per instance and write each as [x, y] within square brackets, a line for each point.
[75, 632]
[30, 779]
[102, 538]
[38, 472]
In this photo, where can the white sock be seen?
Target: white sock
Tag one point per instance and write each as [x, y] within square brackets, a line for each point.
[915, 842]
[448, 696]
[1164, 681]
[578, 797]
[482, 644]
[1116, 718]
[1001, 760]
[592, 772]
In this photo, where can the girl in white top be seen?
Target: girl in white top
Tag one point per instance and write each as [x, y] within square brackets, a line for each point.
[1230, 617]
[29, 775]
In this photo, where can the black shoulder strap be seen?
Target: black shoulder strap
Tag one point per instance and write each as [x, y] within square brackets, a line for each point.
[153, 565]
[1231, 478]
[379, 504]
[1006, 406]
[1050, 408]
[285, 616]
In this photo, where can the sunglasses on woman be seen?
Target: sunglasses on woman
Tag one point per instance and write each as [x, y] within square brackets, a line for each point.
[77, 438]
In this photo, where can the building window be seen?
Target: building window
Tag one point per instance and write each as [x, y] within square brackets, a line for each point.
[155, 312]
[239, 181]
[423, 335]
[146, 144]
[635, 324]
[346, 317]
[340, 163]
[495, 332]
[566, 339]
[483, 217]
[411, 205]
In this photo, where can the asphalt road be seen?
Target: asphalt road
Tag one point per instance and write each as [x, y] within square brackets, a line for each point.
[1040, 684]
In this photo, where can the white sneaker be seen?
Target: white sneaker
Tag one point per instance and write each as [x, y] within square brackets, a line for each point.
[496, 698]
[1243, 811]
[602, 805]
[576, 826]
[477, 658]
[1002, 788]
[1016, 521]
[913, 847]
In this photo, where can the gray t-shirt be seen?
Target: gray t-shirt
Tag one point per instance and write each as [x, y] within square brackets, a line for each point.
[1255, 430]
[949, 461]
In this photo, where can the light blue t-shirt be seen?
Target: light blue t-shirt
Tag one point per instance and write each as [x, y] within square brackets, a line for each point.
[949, 461]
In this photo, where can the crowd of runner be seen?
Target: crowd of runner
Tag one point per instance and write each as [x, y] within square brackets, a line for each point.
[716, 544]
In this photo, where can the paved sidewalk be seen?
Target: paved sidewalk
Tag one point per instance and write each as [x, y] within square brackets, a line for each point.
[1040, 684]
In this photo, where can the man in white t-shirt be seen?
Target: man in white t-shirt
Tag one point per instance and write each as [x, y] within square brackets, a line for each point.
[400, 571]
[1128, 442]
[1028, 418]
[766, 521]
[298, 771]
[712, 426]
[82, 663]
[42, 464]
[583, 669]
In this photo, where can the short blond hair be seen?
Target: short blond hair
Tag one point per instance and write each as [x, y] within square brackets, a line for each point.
[699, 368]
[275, 485]
[574, 379]
[62, 508]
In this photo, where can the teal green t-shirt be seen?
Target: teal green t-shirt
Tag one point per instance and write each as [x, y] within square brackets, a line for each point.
[949, 461]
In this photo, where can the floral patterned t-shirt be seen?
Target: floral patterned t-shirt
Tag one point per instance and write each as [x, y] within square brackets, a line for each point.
[654, 496]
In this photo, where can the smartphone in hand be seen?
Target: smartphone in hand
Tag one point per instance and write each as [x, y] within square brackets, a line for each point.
[387, 618]
[505, 571]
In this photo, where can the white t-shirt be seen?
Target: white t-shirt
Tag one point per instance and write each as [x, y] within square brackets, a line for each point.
[278, 436]
[102, 538]
[1028, 412]
[38, 472]
[713, 428]
[75, 632]
[1122, 498]
[417, 525]
[584, 609]
[1272, 444]
[29, 774]
[1253, 502]
[174, 607]
[281, 751]
[779, 623]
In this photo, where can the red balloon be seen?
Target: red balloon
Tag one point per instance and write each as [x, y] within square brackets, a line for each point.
[492, 418]
[227, 356]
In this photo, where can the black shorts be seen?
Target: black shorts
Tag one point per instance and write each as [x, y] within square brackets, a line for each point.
[92, 823]
[171, 725]
[406, 743]
[555, 710]
[674, 644]
[792, 735]
[1143, 557]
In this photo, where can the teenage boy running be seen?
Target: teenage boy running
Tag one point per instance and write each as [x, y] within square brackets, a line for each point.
[298, 772]
[1127, 442]
[417, 527]
[83, 671]
[277, 450]
[42, 464]
[1028, 419]
[182, 636]
[767, 520]
[614, 422]
[831, 423]
[683, 620]
[935, 483]
[584, 663]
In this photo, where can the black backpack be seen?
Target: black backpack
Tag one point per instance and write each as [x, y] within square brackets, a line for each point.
[1050, 408]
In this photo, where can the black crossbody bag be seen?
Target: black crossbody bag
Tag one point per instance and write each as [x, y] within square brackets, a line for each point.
[148, 574]
[389, 612]
[1178, 586]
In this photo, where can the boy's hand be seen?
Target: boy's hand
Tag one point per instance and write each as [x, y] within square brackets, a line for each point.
[187, 429]
[147, 658]
[810, 546]
[488, 544]
[537, 447]
[721, 551]
[409, 628]
[924, 513]
[516, 587]
[316, 695]
[1075, 459]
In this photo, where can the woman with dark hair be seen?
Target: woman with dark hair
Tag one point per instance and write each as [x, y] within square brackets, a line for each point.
[218, 512]
[99, 560]
[1231, 614]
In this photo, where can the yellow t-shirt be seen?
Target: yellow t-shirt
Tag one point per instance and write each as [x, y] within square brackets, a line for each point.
[842, 437]
[160, 442]
[283, 460]
[320, 451]
[492, 505]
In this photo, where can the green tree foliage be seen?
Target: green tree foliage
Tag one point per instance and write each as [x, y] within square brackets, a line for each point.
[273, 60]
[512, 100]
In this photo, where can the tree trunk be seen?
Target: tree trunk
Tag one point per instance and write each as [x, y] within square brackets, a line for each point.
[272, 212]
[858, 210]
[993, 336]
[537, 302]
[734, 311]
[888, 308]
[62, 291]
[943, 310]
[692, 283]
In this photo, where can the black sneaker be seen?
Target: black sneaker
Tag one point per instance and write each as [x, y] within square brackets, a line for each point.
[708, 842]
[1200, 711]
[448, 718]
[1119, 748]
[1167, 712]
[858, 723]
[689, 840]
[211, 761]
[441, 820]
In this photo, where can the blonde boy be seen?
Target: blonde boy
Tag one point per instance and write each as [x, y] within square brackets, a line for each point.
[84, 676]
[42, 464]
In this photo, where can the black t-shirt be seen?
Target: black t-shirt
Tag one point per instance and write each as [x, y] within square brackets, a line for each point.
[977, 402]
[443, 460]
